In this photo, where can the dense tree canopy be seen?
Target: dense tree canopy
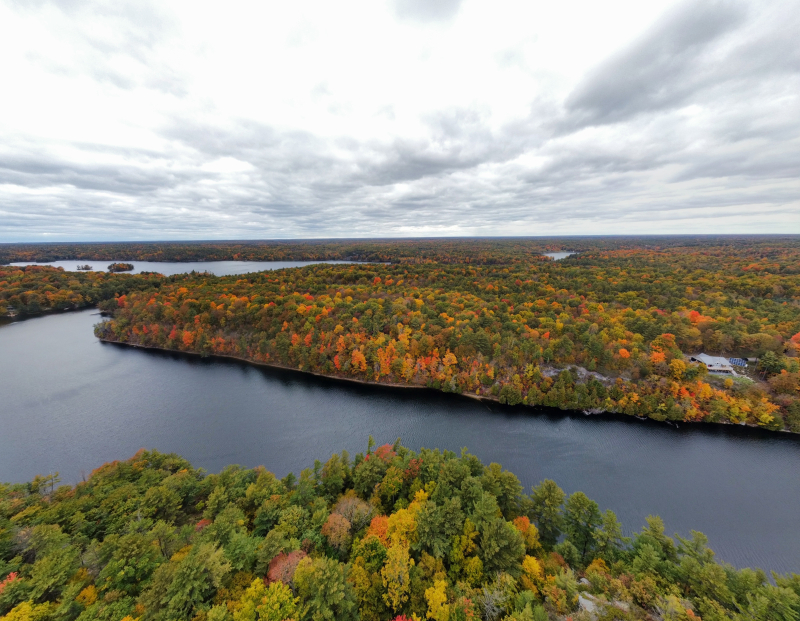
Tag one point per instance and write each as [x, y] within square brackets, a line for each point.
[433, 536]
[35, 288]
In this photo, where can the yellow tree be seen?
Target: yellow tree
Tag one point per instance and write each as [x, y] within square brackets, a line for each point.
[436, 596]
[401, 527]
[532, 574]
[262, 603]
[395, 575]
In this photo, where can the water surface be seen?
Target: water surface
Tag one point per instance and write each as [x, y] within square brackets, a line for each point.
[218, 268]
[557, 256]
[68, 403]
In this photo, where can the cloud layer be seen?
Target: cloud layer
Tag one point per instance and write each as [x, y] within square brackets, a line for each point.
[174, 121]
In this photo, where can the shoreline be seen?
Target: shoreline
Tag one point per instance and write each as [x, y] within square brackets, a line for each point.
[271, 365]
[473, 396]
[7, 319]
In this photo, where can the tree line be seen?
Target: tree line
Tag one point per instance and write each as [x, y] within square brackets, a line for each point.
[475, 251]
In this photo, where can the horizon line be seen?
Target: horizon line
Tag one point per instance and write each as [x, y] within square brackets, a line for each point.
[419, 238]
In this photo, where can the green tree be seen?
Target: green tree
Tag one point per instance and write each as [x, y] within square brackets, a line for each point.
[547, 499]
[334, 475]
[773, 604]
[324, 591]
[368, 474]
[771, 362]
[505, 487]
[51, 572]
[133, 560]
[698, 571]
[437, 525]
[581, 519]
[161, 503]
[485, 510]
[261, 603]
[609, 537]
[182, 586]
[501, 547]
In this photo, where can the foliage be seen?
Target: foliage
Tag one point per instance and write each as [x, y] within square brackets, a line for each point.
[448, 549]
[120, 267]
[36, 289]
[275, 602]
[608, 330]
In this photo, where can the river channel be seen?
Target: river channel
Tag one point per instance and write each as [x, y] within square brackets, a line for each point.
[68, 403]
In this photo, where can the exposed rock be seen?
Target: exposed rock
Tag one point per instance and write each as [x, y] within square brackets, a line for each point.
[587, 604]
[583, 374]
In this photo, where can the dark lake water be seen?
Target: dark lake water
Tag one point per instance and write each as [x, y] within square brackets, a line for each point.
[218, 268]
[68, 403]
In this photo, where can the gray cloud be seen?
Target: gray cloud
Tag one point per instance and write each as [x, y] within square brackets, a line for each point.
[427, 10]
[696, 124]
[663, 69]
[117, 43]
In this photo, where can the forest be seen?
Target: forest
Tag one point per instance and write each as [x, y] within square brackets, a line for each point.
[35, 289]
[610, 329]
[391, 534]
[480, 251]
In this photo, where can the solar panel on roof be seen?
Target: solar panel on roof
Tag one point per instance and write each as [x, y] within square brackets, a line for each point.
[739, 362]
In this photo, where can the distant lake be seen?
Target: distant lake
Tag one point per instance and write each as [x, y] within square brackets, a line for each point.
[69, 403]
[218, 268]
[557, 256]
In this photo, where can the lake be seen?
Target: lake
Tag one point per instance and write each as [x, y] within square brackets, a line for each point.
[218, 268]
[556, 256]
[68, 403]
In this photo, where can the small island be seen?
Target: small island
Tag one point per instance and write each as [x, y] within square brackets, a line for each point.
[120, 267]
[85, 268]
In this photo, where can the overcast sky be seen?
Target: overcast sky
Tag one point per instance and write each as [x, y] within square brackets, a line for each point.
[251, 120]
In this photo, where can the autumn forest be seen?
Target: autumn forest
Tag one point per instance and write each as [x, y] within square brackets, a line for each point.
[607, 329]
[391, 534]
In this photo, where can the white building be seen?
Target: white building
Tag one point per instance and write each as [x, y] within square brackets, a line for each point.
[714, 364]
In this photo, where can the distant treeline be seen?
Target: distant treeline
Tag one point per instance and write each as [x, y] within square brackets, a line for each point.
[487, 251]
[391, 534]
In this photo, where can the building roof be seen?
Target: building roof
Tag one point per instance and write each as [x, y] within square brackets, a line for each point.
[706, 359]
[713, 362]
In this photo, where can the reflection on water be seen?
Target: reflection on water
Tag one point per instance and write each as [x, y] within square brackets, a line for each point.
[70, 403]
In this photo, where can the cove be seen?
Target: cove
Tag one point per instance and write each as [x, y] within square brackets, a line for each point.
[68, 403]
